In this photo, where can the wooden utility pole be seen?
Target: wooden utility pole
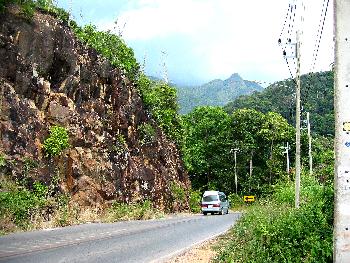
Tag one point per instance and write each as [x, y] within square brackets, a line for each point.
[310, 141]
[342, 132]
[297, 126]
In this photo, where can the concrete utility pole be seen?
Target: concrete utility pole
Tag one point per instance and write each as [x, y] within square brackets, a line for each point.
[235, 155]
[342, 132]
[250, 169]
[297, 127]
[310, 141]
[286, 148]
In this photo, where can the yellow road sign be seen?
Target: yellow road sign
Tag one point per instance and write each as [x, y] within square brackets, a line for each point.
[249, 198]
[346, 126]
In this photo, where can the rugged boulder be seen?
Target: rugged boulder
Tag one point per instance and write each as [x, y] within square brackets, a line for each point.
[47, 77]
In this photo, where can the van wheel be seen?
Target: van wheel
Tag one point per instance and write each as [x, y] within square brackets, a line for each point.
[205, 213]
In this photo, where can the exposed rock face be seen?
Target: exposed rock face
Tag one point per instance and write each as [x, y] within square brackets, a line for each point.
[48, 78]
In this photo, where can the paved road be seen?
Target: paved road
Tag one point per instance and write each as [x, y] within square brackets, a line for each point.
[132, 241]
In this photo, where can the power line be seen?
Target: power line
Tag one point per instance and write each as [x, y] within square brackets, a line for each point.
[287, 45]
[285, 20]
[319, 33]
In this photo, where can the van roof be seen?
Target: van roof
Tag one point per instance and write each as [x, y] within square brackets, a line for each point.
[210, 193]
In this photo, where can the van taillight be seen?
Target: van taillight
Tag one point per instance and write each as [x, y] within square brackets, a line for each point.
[216, 205]
[204, 205]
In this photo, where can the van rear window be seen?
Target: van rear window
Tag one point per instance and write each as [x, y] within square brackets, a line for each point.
[210, 198]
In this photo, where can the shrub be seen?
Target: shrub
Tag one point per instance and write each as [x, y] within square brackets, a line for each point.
[195, 201]
[21, 204]
[57, 141]
[120, 146]
[111, 47]
[236, 201]
[27, 6]
[178, 192]
[2, 160]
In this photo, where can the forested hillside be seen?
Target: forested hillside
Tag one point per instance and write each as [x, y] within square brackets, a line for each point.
[316, 98]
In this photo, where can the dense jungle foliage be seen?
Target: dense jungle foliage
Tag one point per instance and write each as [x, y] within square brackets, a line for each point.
[211, 135]
[317, 98]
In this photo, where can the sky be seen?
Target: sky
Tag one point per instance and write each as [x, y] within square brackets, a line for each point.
[202, 40]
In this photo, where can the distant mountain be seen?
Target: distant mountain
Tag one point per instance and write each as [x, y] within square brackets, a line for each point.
[214, 93]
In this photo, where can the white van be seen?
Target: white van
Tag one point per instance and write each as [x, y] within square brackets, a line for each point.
[214, 202]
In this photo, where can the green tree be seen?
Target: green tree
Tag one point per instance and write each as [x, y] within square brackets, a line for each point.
[207, 147]
[246, 125]
[274, 132]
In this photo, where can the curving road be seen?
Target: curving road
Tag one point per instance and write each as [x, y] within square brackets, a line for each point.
[131, 241]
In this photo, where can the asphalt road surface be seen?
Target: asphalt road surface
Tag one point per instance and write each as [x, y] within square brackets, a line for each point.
[131, 241]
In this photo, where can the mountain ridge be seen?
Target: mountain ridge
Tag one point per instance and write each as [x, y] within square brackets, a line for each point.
[216, 92]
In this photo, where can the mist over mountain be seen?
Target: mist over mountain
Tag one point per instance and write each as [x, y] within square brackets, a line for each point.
[214, 93]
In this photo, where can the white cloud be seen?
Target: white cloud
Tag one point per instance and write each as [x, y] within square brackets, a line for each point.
[224, 36]
[160, 18]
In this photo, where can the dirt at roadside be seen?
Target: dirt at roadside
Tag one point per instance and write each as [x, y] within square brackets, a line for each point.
[202, 253]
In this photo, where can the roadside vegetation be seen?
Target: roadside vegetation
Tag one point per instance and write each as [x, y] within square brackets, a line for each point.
[273, 230]
[27, 204]
[26, 207]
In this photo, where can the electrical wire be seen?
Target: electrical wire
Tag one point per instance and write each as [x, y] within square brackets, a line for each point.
[319, 34]
[285, 20]
[288, 31]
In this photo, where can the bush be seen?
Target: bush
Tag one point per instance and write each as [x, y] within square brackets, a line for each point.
[57, 141]
[2, 160]
[177, 192]
[111, 47]
[236, 201]
[195, 201]
[21, 204]
[27, 6]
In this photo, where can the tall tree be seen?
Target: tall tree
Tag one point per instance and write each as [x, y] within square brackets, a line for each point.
[206, 147]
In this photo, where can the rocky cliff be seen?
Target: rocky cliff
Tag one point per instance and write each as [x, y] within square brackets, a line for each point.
[47, 77]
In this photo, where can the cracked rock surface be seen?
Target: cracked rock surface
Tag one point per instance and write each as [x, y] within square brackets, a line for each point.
[47, 77]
